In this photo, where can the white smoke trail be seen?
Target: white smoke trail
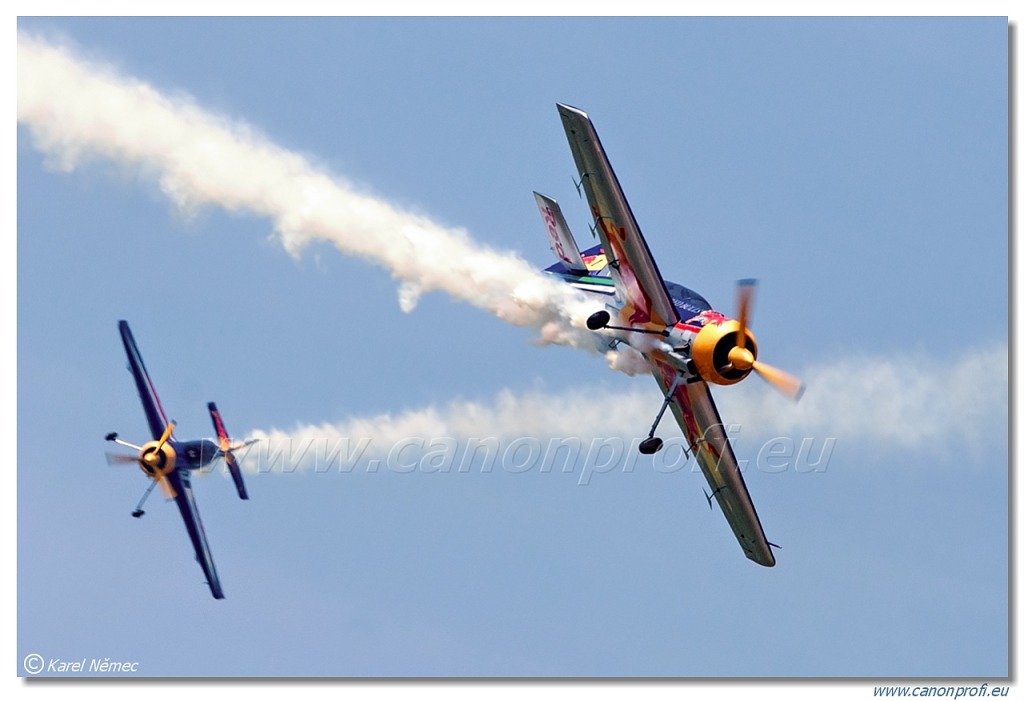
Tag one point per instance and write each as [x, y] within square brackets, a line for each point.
[76, 110]
[911, 401]
[865, 404]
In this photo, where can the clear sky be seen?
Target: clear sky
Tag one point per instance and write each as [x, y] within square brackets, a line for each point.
[857, 167]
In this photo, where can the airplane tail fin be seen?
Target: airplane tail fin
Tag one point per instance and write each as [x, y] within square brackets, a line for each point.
[586, 270]
[563, 245]
[227, 450]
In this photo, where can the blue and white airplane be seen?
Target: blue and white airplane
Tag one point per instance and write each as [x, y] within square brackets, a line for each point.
[686, 343]
[168, 462]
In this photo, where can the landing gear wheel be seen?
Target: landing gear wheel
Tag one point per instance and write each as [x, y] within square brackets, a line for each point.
[650, 446]
[598, 320]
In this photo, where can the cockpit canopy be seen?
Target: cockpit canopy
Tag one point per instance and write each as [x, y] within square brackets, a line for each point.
[687, 302]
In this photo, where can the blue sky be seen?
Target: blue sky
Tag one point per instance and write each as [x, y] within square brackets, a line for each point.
[857, 167]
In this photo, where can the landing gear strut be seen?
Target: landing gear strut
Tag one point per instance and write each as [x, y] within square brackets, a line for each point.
[138, 509]
[652, 444]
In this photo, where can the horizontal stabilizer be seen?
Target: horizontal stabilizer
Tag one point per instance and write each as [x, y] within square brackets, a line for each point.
[226, 450]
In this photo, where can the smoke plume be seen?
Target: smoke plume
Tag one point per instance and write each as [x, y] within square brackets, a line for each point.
[78, 110]
[868, 405]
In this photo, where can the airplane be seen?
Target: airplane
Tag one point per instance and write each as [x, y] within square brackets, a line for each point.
[685, 342]
[168, 462]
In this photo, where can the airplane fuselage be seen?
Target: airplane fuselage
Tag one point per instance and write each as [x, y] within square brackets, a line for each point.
[697, 345]
[193, 455]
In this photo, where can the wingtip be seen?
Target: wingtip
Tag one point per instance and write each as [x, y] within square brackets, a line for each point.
[570, 111]
[765, 559]
[215, 587]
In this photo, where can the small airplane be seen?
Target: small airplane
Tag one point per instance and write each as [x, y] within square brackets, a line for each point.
[168, 462]
[686, 343]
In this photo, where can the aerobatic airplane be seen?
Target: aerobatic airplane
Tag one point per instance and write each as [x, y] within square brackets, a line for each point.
[168, 462]
[686, 343]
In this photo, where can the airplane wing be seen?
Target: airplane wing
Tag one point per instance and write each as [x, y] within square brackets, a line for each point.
[186, 501]
[697, 415]
[155, 416]
[647, 303]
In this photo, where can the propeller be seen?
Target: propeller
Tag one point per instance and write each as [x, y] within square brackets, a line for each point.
[741, 358]
[167, 434]
[149, 459]
[121, 459]
[152, 457]
[166, 488]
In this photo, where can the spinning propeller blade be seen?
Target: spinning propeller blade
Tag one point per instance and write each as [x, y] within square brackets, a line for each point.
[780, 380]
[119, 459]
[744, 300]
[167, 434]
[166, 488]
[742, 359]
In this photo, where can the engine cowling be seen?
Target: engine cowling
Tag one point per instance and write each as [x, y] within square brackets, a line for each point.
[157, 459]
[711, 352]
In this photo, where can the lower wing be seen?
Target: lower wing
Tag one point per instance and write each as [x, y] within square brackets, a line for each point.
[190, 514]
[697, 415]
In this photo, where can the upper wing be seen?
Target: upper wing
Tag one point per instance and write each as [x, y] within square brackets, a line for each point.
[190, 514]
[696, 413]
[155, 416]
[636, 276]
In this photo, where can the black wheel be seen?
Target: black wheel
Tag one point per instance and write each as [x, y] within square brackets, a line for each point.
[650, 446]
[598, 320]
